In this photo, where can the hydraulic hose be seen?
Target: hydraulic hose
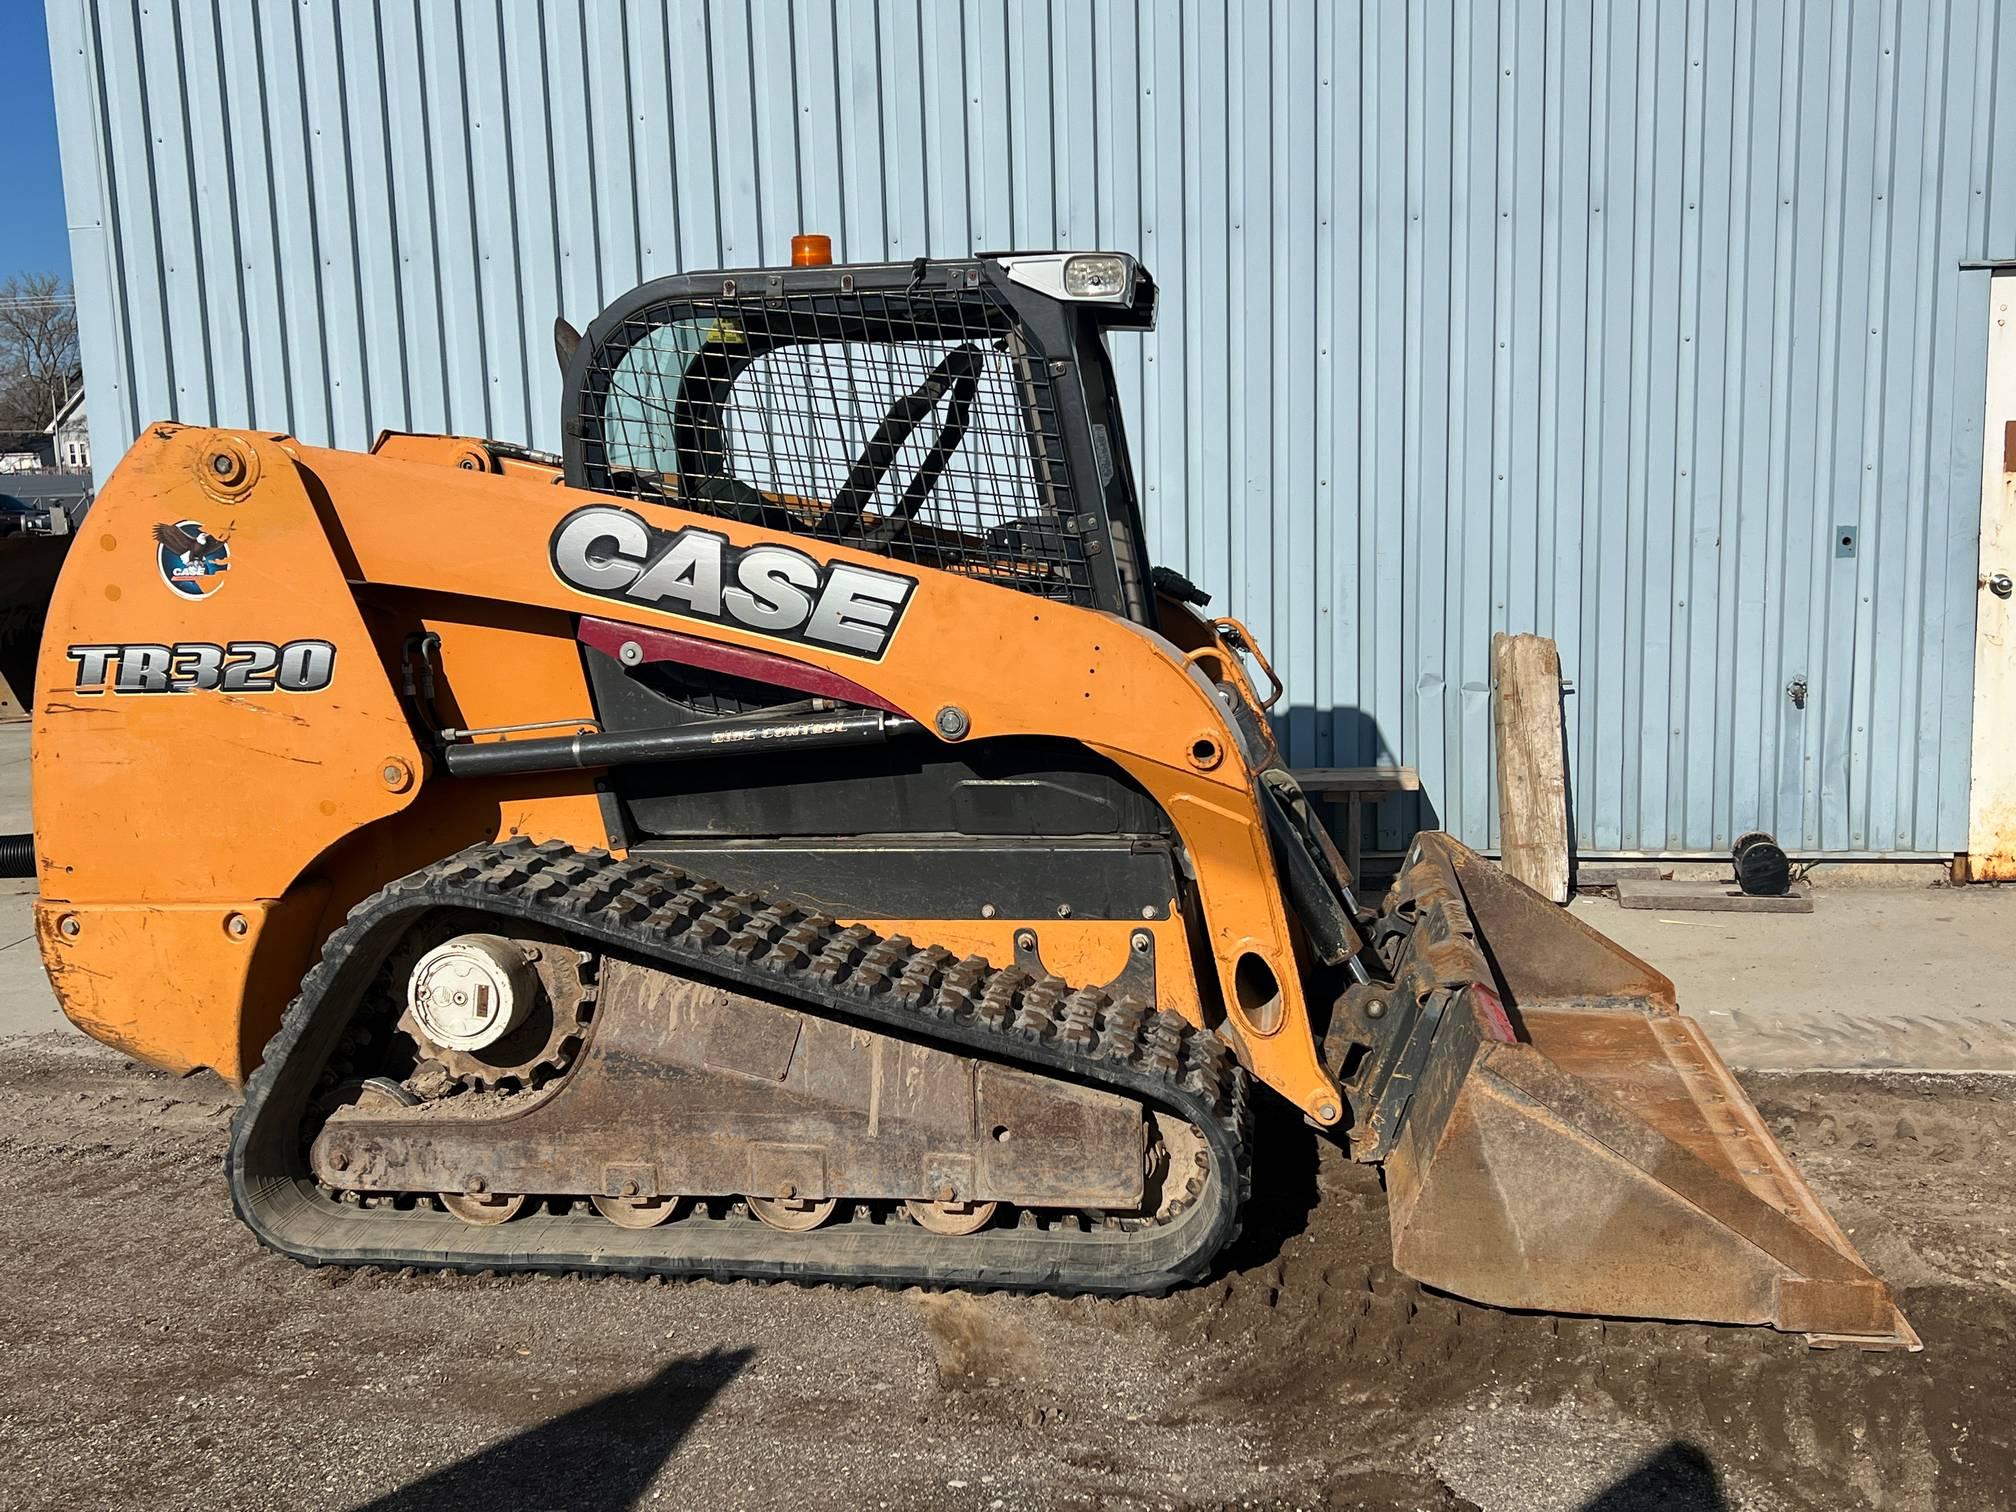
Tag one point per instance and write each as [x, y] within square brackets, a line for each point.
[17, 855]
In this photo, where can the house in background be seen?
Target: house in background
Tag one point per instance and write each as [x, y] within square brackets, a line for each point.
[61, 446]
[68, 445]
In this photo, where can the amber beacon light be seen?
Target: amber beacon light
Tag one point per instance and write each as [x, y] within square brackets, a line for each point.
[811, 251]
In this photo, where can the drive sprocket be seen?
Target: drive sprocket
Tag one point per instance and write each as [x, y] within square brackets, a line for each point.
[539, 1049]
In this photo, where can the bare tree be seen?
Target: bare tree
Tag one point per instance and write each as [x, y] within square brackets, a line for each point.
[38, 350]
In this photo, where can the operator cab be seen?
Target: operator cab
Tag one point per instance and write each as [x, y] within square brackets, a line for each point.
[957, 414]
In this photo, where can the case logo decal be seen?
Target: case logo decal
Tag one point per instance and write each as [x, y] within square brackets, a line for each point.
[701, 574]
[193, 561]
[302, 666]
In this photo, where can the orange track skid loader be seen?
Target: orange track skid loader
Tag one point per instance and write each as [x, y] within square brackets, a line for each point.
[795, 833]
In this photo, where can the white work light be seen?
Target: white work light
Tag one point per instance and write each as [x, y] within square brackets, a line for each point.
[1098, 277]
[1095, 277]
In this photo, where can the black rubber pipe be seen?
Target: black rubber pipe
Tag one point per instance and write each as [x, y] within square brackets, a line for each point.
[17, 855]
[720, 737]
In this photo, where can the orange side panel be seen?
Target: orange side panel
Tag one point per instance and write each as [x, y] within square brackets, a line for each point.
[207, 794]
[181, 987]
[173, 818]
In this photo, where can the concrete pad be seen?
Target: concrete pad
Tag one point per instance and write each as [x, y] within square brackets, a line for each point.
[1708, 897]
[1919, 978]
[14, 811]
[27, 1005]
[1592, 874]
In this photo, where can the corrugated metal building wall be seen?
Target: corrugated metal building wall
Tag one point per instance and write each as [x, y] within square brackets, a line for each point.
[1592, 319]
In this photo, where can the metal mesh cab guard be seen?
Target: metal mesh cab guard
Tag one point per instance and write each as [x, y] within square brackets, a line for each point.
[940, 413]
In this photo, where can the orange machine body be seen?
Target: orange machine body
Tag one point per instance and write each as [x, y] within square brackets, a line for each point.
[224, 765]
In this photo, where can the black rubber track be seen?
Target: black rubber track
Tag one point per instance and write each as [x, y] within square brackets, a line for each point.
[660, 915]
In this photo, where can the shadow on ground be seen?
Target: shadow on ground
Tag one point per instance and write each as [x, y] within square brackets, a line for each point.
[600, 1457]
[1679, 1478]
[1285, 1189]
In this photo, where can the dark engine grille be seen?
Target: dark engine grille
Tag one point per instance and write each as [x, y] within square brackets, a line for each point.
[917, 424]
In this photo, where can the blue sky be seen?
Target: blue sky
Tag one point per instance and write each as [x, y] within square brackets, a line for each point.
[33, 234]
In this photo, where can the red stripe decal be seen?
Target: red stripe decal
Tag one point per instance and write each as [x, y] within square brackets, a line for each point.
[611, 636]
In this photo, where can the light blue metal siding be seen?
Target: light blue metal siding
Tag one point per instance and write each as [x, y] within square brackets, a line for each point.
[1591, 319]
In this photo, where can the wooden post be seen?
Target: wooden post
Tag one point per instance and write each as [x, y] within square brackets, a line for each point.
[1532, 762]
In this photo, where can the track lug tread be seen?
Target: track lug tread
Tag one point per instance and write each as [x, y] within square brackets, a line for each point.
[695, 925]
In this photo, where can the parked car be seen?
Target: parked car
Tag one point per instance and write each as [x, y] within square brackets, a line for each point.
[51, 516]
[20, 517]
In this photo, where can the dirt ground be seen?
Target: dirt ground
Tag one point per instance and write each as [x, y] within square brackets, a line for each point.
[153, 1356]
